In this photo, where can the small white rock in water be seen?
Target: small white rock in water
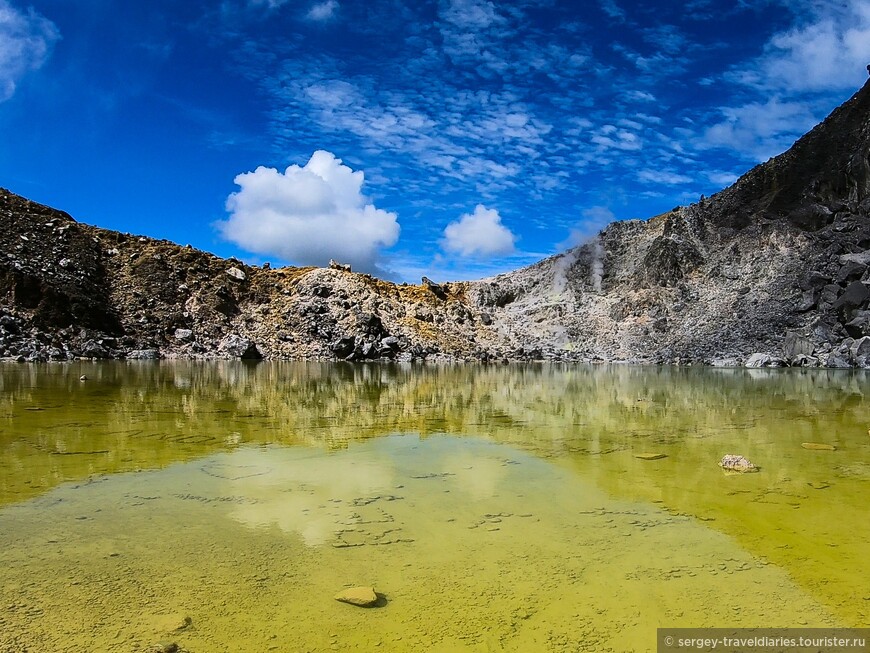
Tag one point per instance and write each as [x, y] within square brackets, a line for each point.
[83, 377]
[364, 597]
[734, 463]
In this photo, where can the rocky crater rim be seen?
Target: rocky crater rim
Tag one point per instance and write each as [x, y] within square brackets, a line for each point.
[772, 271]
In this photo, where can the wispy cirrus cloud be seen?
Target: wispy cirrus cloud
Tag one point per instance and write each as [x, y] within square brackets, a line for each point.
[26, 42]
[824, 49]
[270, 4]
[759, 130]
[323, 11]
[593, 220]
[474, 99]
[612, 10]
[827, 48]
[666, 177]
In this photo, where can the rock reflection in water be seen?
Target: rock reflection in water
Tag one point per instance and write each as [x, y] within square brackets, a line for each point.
[375, 458]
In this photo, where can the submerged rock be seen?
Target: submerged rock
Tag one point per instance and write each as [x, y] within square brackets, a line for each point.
[734, 463]
[363, 597]
[164, 647]
[650, 456]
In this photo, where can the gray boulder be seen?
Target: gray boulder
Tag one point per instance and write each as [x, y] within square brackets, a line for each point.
[759, 360]
[94, 349]
[238, 347]
[856, 293]
[796, 345]
[390, 342]
[862, 258]
[859, 325]
[860, 352]
[184, 335]
[851, 270]
[144, 354]
[237, 274]
[837, 360]
[809, 299]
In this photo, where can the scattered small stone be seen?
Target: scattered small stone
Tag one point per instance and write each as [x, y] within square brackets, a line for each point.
[165, 647]
[341, 267]
[186, 623]
[363, 597]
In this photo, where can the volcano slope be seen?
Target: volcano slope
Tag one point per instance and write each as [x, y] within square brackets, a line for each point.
[771, 271]
[776, 265]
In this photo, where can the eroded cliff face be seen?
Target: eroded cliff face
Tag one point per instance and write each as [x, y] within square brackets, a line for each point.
[776, 265]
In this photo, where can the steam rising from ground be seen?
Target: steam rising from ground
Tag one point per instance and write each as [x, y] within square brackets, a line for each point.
[596, 266]
[585, 236]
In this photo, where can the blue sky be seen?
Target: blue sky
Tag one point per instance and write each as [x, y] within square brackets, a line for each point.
[451, 138]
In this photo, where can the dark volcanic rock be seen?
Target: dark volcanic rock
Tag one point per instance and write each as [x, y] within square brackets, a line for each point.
[343, 347]
[669, 260]
[856, 293]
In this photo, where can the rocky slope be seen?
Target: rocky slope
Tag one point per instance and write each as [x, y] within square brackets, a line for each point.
[69, 290]
[776, 266]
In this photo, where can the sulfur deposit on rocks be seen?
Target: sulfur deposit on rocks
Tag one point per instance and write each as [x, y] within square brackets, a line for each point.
[773, 271]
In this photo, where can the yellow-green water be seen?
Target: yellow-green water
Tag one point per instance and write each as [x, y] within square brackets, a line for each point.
[496, 508]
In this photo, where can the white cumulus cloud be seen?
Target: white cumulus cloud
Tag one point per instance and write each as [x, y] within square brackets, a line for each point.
[479, 233]
[26, 41]
[308, 215]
